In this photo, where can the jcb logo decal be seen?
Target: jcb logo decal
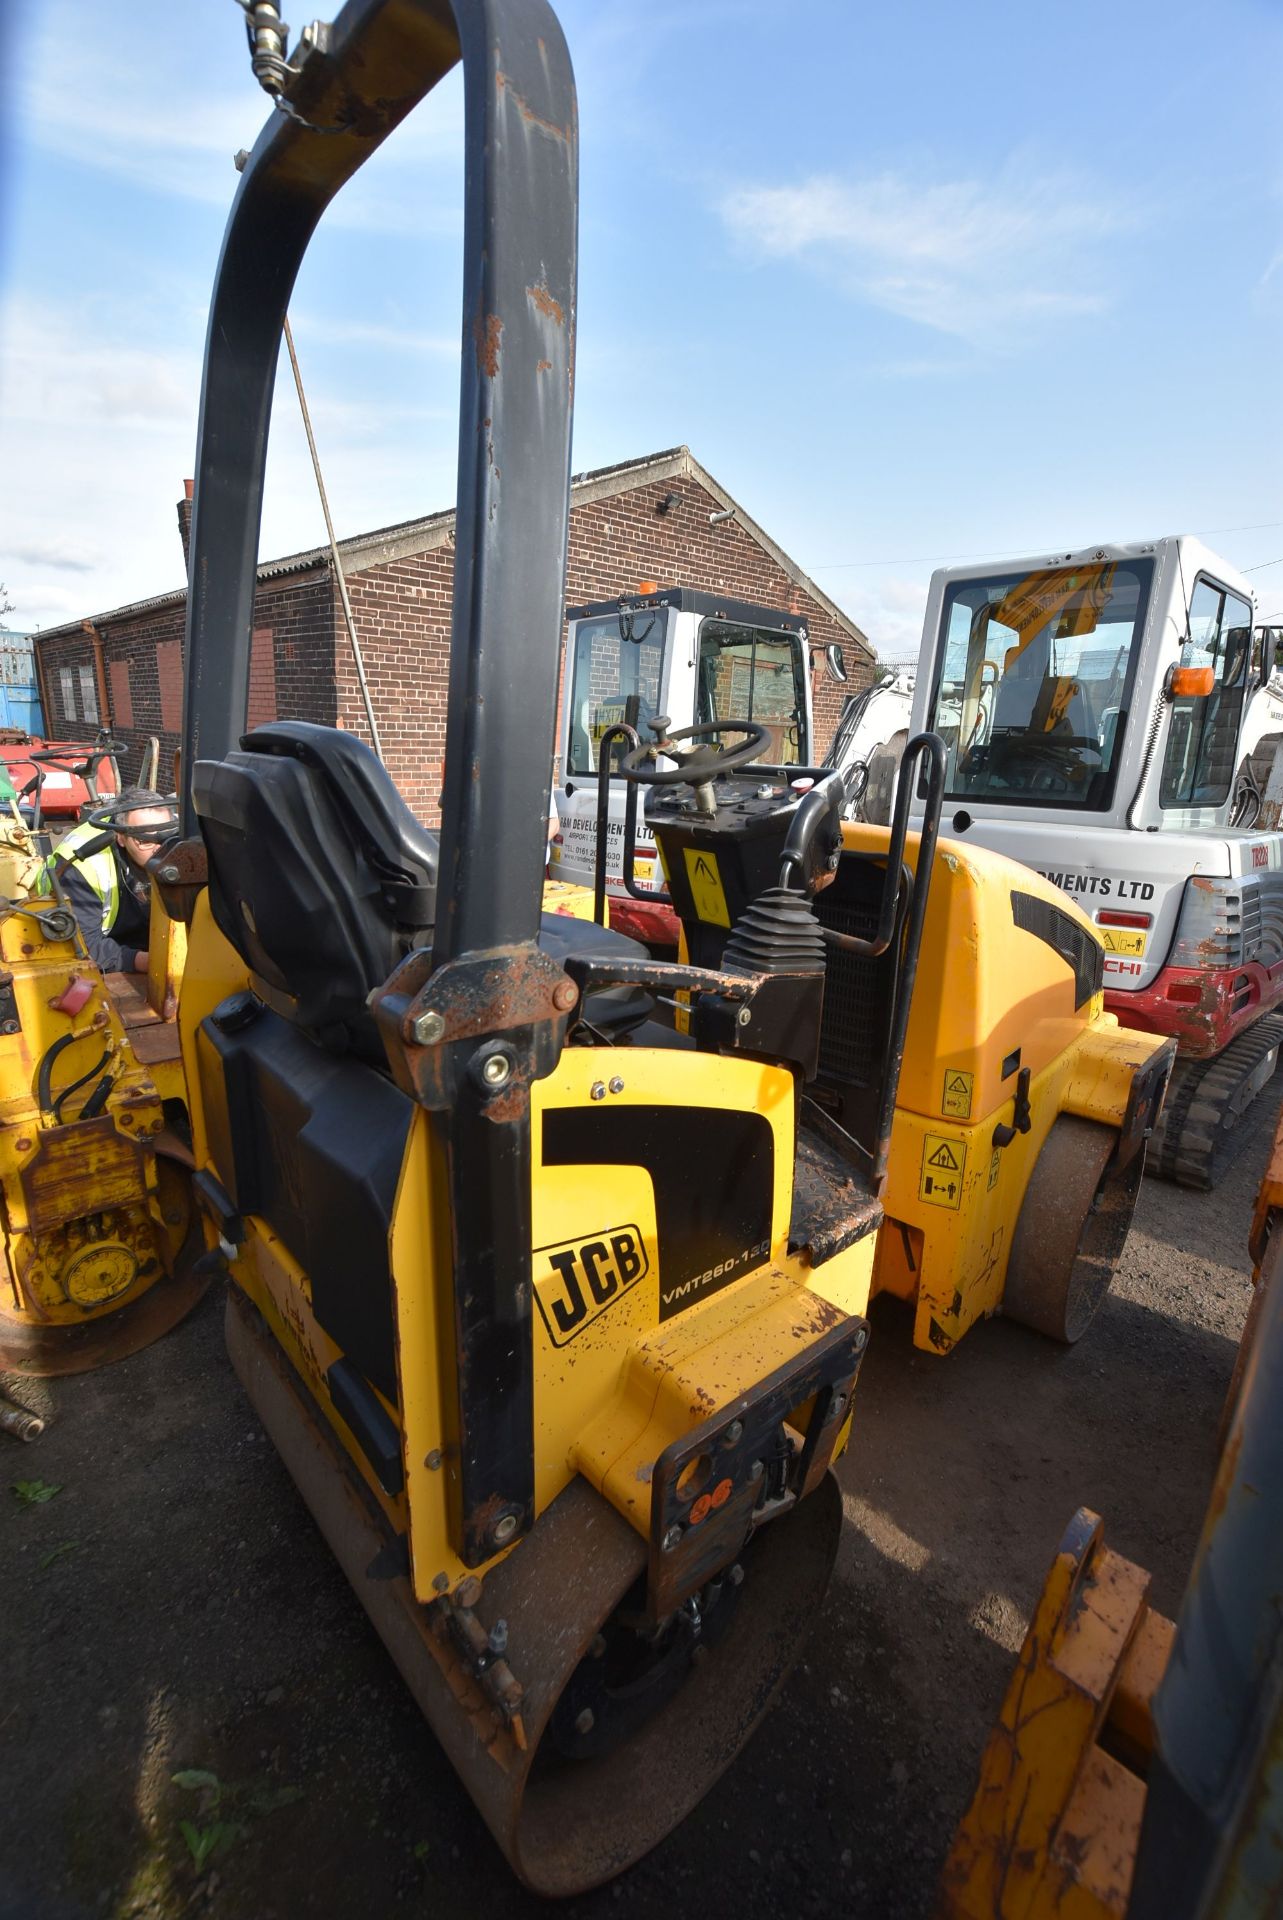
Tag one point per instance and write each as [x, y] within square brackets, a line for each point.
[577, 1280]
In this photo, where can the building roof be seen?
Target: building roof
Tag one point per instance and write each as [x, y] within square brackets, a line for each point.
[435, 529]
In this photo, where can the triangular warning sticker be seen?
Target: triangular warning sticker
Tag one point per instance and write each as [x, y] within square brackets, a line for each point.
[703, 870]
[957, 1083]
[944, 1157]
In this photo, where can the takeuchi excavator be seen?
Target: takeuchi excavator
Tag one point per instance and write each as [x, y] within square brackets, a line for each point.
[1113, 718]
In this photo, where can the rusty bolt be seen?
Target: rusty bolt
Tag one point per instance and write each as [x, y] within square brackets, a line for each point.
[23, 1146]
[496, 1069]
[598, 1090]
[564, 995]
[433, 1461]
[585, 1721]
[735, 1575]
[744, 1016]
[861, 1339]
[756, 1471]
[126, 1119]
[498, 1640]
[427, 1028]
[468, 1591]
[504, 1528]
[440, 1582]
[169, 875]
[733, 1434]
[673, 1538]
[616, 1085]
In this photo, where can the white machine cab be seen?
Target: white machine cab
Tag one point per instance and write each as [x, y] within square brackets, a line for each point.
[692, 656]
[1112, 718]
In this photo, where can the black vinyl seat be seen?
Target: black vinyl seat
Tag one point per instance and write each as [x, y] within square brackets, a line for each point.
[322, 880]
[319, 875]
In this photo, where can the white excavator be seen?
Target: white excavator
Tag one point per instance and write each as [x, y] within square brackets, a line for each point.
[869, 741]
[1113, 719]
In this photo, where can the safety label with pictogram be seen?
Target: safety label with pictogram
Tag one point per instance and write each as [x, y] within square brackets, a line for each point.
[1122, 940]
[706, 887]
[944, 1162]
[958, 1087]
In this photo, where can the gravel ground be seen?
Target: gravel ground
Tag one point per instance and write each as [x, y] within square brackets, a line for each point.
[173, 1608]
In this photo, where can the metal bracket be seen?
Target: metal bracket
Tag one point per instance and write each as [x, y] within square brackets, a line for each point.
[180, 871]
[741, 1467]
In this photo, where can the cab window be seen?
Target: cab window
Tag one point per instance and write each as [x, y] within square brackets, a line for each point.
[1034, 682]
[1202, 736]
[616, 674]
[754, 673]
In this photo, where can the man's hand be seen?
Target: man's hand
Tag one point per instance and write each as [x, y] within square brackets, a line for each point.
[140, 963]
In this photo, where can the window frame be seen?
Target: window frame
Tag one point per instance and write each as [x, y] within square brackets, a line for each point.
[664, 614]
[1203, 578]
[799, 653]
[1144, 568]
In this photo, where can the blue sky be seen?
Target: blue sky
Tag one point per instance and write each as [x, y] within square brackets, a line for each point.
[914, 282]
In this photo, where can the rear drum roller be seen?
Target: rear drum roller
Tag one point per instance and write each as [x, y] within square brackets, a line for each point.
[1072, 1226]
[624, 1731]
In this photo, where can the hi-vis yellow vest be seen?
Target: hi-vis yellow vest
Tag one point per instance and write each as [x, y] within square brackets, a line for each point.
[99, 869]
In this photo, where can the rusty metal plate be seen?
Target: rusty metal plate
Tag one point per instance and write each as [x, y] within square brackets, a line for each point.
[720, 1480]
[86, 1166]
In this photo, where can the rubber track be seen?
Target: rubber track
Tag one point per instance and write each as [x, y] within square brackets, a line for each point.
[1192, 1142]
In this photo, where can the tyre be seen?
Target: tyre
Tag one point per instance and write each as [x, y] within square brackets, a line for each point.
[1070, 1233]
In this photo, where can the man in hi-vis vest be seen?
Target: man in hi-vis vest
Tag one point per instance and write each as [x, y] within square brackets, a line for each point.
[105, 880]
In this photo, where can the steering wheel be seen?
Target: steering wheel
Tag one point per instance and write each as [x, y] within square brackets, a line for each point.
[62, 757]
[704, 764]
[104, 817]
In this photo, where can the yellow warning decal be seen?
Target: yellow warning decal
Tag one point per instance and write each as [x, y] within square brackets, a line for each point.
[1122, 940]
[706, 887]
[944, 1162]
[956, 1099]
[993, 1171]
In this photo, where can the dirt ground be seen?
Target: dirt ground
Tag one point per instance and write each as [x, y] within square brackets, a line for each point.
[171, 1608]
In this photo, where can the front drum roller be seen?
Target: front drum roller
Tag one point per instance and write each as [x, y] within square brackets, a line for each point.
[35, 1349]
[579, 1803]
[1070, 1233]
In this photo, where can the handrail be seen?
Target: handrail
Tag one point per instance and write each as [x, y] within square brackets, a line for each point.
[929, 747]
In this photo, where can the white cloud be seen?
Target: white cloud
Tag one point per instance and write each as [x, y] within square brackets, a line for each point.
[982, 261]
[144, 123]
[100, 406]
[62, 557]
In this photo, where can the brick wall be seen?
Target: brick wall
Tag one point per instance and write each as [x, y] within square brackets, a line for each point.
[301, 662]
[291, 669]
[617, 543]
[402, 613]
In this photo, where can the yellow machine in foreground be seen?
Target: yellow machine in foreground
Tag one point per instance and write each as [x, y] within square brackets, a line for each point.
[1136, 1769]
[1009, 1163]
[1022, 1107]
[554, 1313]
[93, 1178]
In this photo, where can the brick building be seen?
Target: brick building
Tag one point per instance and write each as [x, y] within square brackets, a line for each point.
[663, 518]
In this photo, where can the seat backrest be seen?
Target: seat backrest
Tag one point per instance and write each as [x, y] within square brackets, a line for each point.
[319, 875]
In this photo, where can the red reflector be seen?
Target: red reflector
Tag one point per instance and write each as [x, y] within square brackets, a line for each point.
[1111, 917]
[1184, 990]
